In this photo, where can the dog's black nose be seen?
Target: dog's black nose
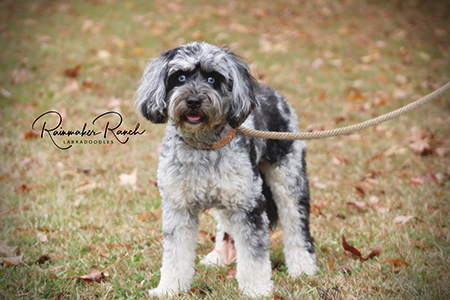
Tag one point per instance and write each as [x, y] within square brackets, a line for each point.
[193, 102]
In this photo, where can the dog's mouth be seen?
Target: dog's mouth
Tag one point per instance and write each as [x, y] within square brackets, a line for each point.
[193, 118]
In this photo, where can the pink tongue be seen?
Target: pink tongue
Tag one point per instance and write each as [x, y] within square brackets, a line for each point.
[193, 118]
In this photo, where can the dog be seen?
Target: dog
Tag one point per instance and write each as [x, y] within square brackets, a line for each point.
[203, 93]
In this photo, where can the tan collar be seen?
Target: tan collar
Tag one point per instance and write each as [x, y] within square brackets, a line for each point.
[222, 142]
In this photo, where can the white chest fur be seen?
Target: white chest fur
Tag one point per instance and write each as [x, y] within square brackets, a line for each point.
[196, 179]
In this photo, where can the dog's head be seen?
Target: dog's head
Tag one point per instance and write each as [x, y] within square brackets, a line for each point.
[198, 87]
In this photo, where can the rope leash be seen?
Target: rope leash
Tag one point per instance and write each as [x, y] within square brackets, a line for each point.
[343, 130]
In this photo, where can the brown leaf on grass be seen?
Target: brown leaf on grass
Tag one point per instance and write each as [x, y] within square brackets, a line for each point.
[7, 250]
[396, 262]
[117, 246]
[360, 191]
[202, 290]
[128, 179]
[31, 134]
[11, 261]
[402, 219]
[277, 297]
[73, 72]
[43, 259]
[24, 188]
[61, 295]
[355, 94]
[357, 253]
[357, 204]
[331, 263]
[375, 252]
[94, 275]
[42, 237]
[227, 252]
[48, 230]
[149, 214]
[419, 142]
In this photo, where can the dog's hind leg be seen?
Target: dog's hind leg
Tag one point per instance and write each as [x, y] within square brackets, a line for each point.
[288, 183]
[213, 258]
[250, 232]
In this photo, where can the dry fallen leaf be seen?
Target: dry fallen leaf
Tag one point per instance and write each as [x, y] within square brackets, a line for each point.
[278, 297]
[202, 289]
[117, 246]
[94, 275]
[73, 72]
[7, 250]
[128, 179]
[396, 264]
[149, 214]
[357, 204]
[403, 219]
[357, 253]
[42, 237]
[30, 134]
[11, 261]
[419, 142]
[227, 252]
[62, 294]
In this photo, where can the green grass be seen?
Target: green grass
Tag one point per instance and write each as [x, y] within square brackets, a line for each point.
[74, 197]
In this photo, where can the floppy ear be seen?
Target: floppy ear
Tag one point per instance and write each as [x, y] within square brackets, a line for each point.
[243, 87]
[151, 93]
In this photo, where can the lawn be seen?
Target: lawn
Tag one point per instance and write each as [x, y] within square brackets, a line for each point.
[338, 63]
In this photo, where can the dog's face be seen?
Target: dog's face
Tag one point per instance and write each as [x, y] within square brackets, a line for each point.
[197, 87]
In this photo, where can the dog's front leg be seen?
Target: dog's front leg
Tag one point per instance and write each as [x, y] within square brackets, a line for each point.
[180, 230]
[250, 231]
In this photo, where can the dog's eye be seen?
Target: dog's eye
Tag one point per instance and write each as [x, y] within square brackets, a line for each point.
[211, 80]
[182, 78]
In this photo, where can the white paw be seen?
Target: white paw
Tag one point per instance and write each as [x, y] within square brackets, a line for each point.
[161, 293]
[258, 291]
[305, 266]
[213, 259]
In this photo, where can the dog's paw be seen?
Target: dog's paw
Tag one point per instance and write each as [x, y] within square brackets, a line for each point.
[305, 266]
[258, 291]
[213, 259]
[161, 293]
